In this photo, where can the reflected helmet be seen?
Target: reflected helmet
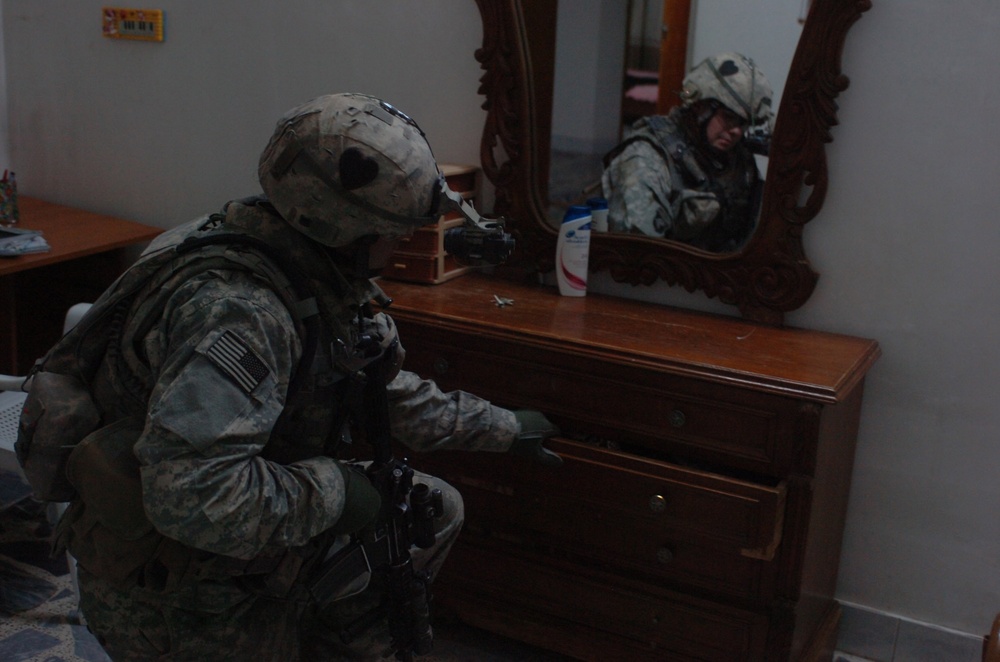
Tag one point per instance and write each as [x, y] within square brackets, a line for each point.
[345, 166]
[733, 80]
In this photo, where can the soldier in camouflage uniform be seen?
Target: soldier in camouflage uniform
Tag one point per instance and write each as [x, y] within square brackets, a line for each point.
[690, 175]
[224, 475]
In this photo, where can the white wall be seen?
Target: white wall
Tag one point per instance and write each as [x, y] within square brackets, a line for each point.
[589, 61]
[906, 244]
[162, 132]
[4, 142]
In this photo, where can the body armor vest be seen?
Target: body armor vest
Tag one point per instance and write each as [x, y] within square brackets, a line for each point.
[108, 533]
[732, 177]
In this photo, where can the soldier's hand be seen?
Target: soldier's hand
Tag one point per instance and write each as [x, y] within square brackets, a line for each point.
[362, 501]
[533, 430]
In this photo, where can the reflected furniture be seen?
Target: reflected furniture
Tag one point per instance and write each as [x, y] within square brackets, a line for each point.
[88, 251]
[701, 505]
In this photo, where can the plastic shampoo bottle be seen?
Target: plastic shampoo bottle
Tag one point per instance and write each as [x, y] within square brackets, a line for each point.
[573, 251]
[599, 214]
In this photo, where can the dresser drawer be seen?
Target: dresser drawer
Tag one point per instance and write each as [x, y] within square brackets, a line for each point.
[423, 268]
[593, 616]
[748, 431]
[640, 517]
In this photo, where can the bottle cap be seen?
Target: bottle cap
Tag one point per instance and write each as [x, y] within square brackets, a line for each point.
[575, 212]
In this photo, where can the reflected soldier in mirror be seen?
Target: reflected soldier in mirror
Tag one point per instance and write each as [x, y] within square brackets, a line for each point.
[690, 175]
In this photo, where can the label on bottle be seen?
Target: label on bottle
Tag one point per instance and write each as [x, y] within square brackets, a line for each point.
[573, 251]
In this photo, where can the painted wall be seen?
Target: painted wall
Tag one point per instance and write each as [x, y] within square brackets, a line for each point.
[590, 59]
[162, 132]
[906, 244]
[4, 143]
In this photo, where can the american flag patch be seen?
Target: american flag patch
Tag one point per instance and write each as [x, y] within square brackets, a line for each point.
[237, 361]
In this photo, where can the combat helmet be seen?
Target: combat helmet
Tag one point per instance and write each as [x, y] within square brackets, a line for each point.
[736, 82]
[345, 166]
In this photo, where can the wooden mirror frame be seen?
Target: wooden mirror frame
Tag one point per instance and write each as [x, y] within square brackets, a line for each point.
[771, 274]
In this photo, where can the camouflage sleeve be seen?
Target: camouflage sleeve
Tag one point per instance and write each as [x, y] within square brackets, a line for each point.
[425, 418]
[223, 355]
[638, 187]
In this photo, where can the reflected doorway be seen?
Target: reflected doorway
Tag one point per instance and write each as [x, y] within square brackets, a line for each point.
[656, 53]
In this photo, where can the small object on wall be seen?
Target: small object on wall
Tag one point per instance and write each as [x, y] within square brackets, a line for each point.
[9, 213]
[133, 24]
[421, 258]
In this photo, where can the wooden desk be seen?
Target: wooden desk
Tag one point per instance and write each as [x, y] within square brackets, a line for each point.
[88, 253]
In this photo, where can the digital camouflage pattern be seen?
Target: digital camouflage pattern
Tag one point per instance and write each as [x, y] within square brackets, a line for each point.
[662, 183]
[141, 624]
[233, 484]
[347, 165]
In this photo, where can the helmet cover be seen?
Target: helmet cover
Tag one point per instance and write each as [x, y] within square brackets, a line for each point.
[345, 166]
[736, 82]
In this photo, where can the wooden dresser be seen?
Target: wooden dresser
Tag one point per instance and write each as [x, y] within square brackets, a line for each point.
[700, 509]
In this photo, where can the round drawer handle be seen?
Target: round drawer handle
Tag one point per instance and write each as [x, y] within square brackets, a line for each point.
[440, 366]
[664, 555]
[657, 503]
[677, 418]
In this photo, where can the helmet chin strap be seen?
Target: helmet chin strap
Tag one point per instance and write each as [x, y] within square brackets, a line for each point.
[362, 255]
[354, 259]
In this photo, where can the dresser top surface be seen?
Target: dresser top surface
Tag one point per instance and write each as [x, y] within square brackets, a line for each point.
[802, 363]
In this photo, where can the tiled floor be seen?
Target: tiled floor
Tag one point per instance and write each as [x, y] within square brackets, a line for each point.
[38, 620]
[867, 635]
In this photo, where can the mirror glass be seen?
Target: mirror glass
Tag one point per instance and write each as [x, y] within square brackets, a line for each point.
[616, 62]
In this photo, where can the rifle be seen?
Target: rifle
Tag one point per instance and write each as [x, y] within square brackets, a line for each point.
[406, 519]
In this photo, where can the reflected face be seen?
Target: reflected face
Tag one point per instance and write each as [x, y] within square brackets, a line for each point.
[725, 129]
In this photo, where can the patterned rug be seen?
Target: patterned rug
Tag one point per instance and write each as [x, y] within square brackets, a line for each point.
[38, 615]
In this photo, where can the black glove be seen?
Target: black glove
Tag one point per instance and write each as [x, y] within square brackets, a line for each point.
[362, 501]
[533, 429]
